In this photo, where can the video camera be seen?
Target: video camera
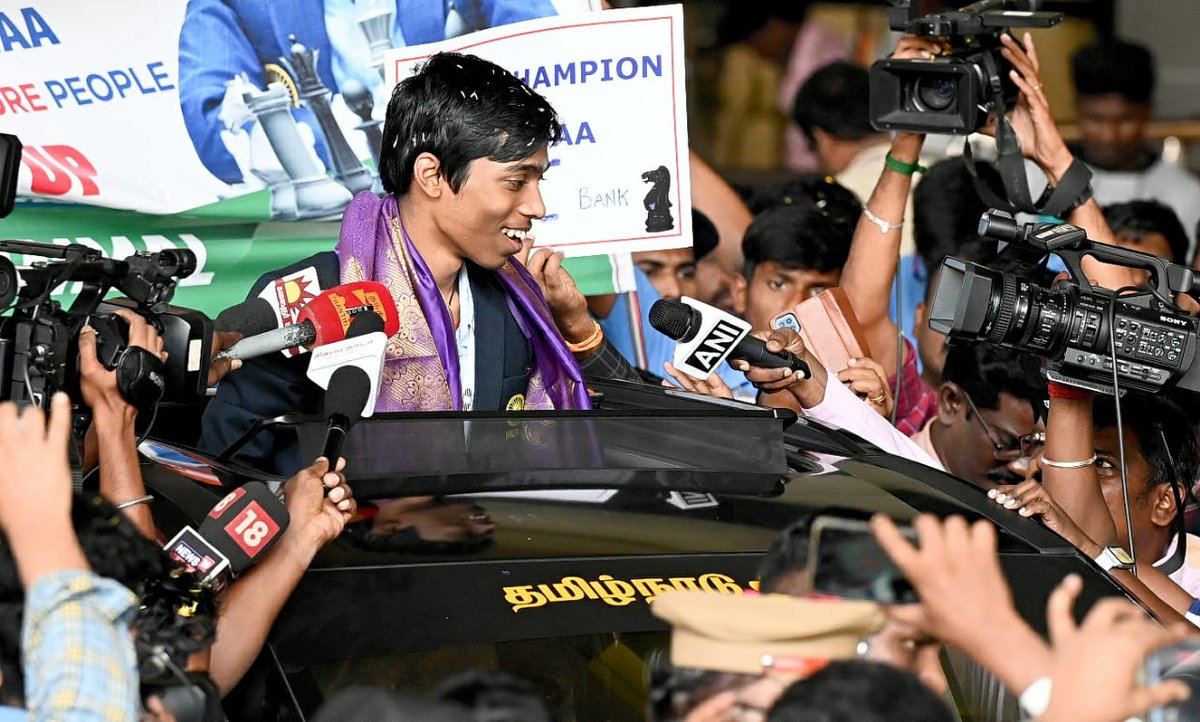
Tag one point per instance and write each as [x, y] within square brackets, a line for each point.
[955, 92]
[39, 351]
[1082, 330]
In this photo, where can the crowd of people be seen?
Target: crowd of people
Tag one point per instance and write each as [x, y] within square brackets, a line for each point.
[90, 600]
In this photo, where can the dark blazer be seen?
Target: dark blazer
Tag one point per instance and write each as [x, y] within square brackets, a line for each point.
[274, 385]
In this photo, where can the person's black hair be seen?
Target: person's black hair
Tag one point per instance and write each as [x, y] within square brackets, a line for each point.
[1137, 218]
[859, 691]
[947, 208]
[1114, 66]
[461, 108]
[494, 696]
[705, 237]
[1153, 418]
[835, 99]
[113, 548]
[796, 236]
[675, 691]
[177, 615]
[984, 371]
[836, 200]
[369, 704]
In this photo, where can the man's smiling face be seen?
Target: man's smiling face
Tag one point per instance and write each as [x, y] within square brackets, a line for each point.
[487, 219]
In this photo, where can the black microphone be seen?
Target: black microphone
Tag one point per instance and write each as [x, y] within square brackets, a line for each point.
[705, 342]
[234, 534]
[248, 318]
[348, 391]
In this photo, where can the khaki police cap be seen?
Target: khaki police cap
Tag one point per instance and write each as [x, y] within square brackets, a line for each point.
[754, 634]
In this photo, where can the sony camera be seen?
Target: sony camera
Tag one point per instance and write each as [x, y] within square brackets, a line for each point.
[39, 352]
[955, 92]
[1081, 330]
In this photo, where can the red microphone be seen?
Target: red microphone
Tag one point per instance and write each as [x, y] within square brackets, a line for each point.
[324, 320]
[235, 534]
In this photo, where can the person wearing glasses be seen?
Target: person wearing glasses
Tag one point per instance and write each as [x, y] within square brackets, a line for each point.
[985, 427]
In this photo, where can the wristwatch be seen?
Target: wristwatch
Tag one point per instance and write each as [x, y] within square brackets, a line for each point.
[1114, 558]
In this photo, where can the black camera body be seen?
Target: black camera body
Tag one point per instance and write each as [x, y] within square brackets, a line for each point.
[1081, 330]
[39, 353]
[952, 93]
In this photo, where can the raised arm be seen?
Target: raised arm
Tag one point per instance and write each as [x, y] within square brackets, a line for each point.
[1042, 142]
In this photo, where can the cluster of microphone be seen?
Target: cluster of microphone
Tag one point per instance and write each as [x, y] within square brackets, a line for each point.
[344, 331]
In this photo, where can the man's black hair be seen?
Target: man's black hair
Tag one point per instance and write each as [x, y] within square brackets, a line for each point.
[859, 691]
[1114, 66]
[740, 21]
[1153, 418]
[836, 200]
[461, 108]
[836, 100]
[494, 696]
[114, 549]
[947, 208]
[984, 371]
[797, 236]
[1137, 218]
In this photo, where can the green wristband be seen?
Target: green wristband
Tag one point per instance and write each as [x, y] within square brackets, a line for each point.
[904, 168]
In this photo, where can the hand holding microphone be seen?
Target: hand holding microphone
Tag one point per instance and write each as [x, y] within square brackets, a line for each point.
[707, 336]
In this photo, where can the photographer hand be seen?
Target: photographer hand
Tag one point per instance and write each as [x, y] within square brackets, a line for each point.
[1095, 665]
[38, 522]
[1041, 140]
[98, 385]
[956, 572]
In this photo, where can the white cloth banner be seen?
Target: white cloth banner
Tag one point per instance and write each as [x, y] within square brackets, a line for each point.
[620, 179]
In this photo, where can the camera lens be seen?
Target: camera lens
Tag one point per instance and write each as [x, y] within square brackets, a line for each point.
[977, 303]
[935, 93]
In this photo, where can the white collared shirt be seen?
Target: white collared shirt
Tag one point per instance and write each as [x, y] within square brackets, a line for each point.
[464, 337]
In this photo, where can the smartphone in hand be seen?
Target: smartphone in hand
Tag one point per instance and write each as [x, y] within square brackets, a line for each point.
[845, 560]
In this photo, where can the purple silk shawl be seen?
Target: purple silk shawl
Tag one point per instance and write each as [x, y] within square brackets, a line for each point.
[421, 371]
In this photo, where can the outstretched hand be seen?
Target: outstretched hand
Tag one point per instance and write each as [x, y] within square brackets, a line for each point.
[1095, 665]
[713, 386]
[808, 392]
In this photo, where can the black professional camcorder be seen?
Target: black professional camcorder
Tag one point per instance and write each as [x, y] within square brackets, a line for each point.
[954, 92]
[1081, 330]
[39, 353]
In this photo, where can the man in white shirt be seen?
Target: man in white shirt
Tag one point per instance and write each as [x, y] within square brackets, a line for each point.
[1114, 82]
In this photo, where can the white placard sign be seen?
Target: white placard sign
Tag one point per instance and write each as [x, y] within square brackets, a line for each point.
[620, 179]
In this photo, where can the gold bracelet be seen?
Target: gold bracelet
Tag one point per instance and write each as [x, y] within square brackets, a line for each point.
[592, 342]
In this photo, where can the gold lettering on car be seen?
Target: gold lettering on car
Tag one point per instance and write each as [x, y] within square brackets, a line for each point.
[614, 592]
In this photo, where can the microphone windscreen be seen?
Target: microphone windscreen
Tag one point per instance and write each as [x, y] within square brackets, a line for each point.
[332, 311]
[249, 318]
[348, 391]
[245, 524]
[365, 322]
[673, 319]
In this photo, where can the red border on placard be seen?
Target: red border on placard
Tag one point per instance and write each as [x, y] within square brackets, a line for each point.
[674, 109]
